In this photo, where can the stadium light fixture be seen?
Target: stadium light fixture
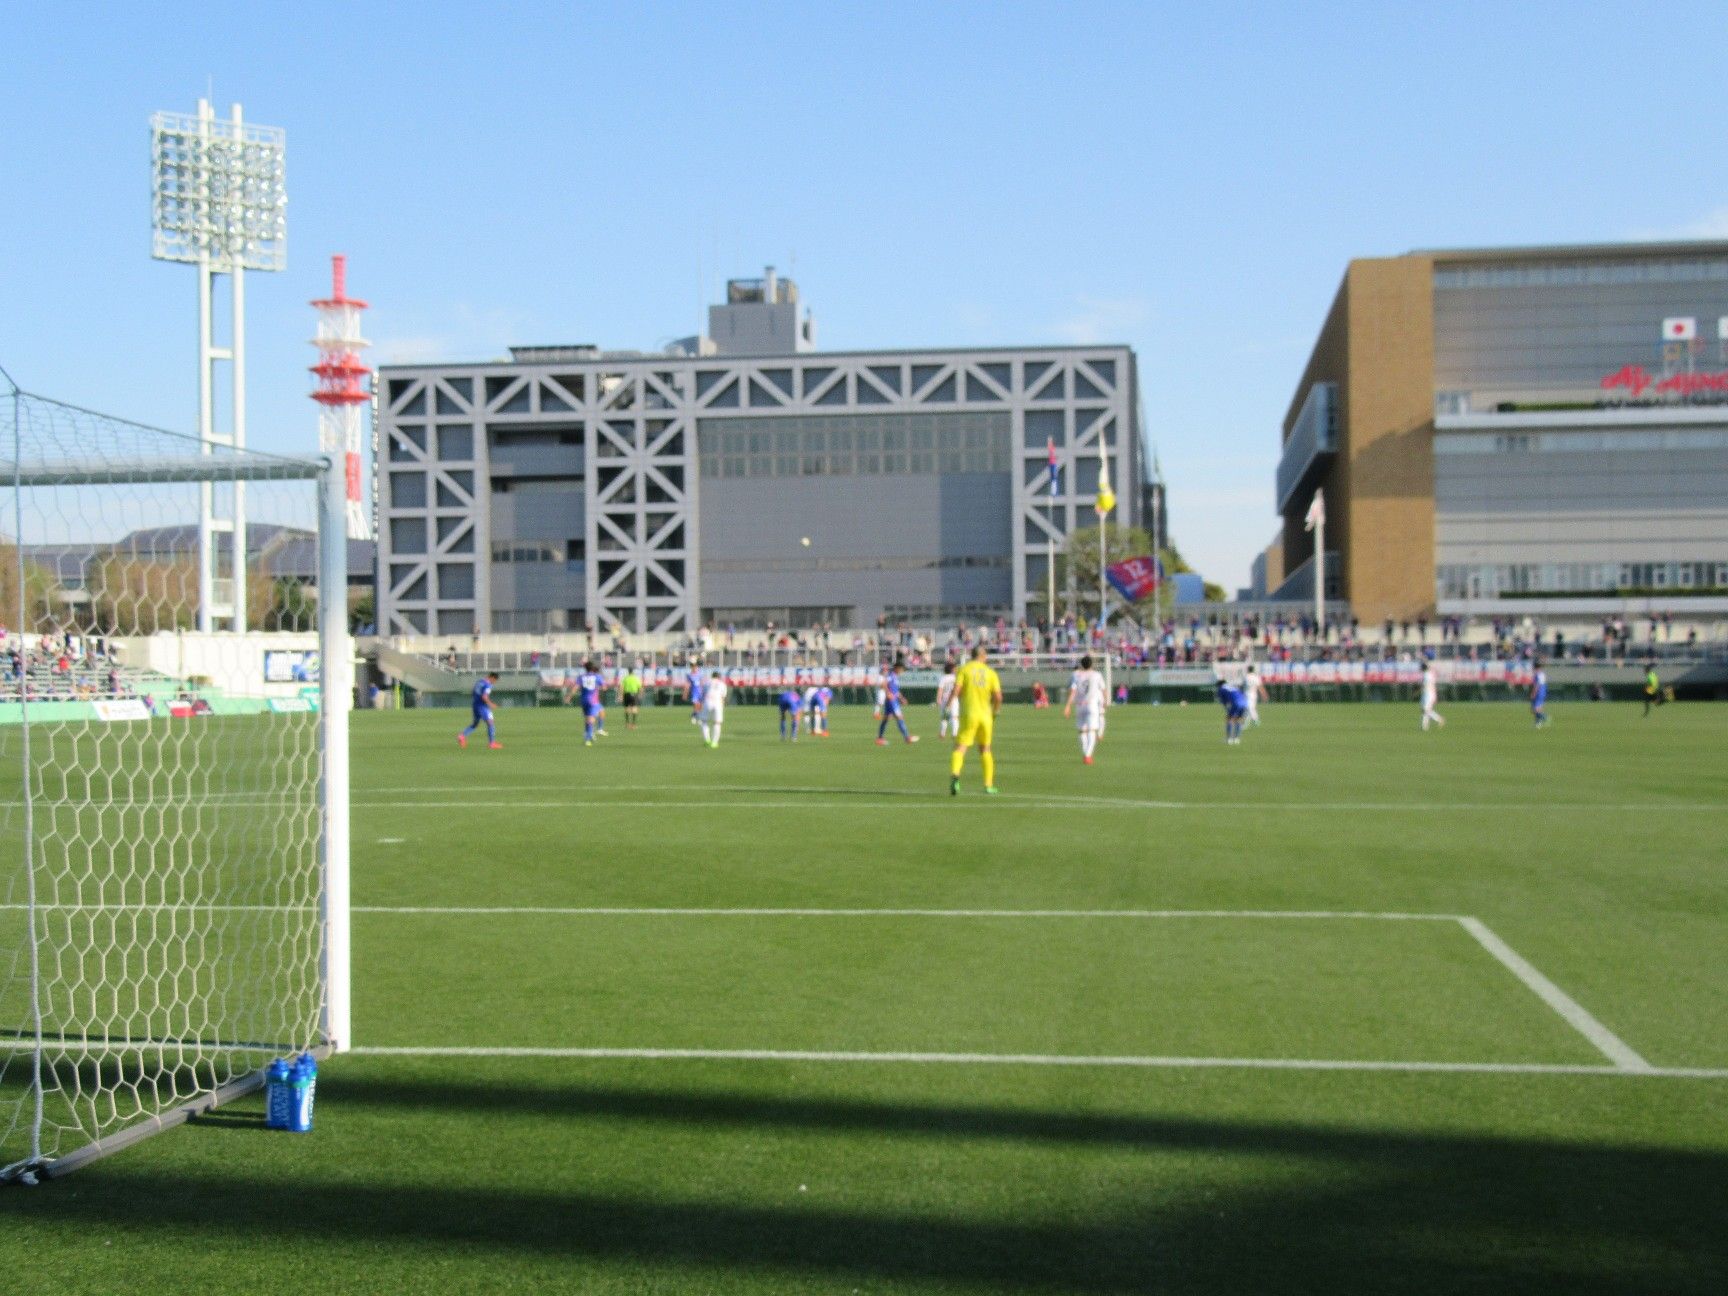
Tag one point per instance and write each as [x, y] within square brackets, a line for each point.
[219, 201]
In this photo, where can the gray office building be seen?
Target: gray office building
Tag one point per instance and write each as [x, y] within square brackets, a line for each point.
[740, 478]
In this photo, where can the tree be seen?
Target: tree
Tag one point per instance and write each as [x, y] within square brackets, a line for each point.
[362, 612]
[131, 595]
[41, 592]
[292, 606]
[1077, 567]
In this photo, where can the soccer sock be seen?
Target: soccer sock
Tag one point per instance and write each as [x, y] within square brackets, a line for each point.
[987, 759]
[471, 728]
[707, 733]
[588, 729]
[717, 733]
[957, 761]
[882, 729]
[901, 721]
[491, 733]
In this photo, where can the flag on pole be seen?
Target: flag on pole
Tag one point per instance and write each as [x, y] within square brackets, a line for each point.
[1316, 512]
[1680, 328]
[1055, 468]
[1106, 496]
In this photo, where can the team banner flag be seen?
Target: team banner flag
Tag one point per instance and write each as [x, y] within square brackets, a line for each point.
[1680, 328]
[1135, 578]
[1055, 468]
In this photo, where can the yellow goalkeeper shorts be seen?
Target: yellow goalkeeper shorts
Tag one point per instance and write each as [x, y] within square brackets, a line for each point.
[976, 731]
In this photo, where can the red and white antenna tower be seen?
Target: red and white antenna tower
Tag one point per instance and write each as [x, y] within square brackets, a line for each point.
[342, 386]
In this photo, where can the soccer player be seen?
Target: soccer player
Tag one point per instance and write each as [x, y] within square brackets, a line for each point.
[1253, 688]
[589, 686]
[980, 693]
[791, 703]
[714, 708]
[1652, 687]
[816, 699]
[482, 704]
[693, 683]
[1087, 698]
[893, 706]
[1430, 696]
[948, 703]
[630, 693]
[1539, 696]
[1235, 704]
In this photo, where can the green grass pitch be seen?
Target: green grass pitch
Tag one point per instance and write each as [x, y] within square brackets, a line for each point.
[1181, 907]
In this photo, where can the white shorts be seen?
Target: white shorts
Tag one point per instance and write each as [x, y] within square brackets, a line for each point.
[1089, 718]
[951, 712]
[713, 712]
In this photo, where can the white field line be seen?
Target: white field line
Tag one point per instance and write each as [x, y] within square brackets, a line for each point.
[1040, 1059]
[605, 911]
[1610, 1045]
[619, 911]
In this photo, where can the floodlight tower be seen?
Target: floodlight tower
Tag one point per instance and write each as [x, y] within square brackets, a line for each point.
[342, 386]
[219, 201]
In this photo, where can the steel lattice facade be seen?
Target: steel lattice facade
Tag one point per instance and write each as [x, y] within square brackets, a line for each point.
[652, 492]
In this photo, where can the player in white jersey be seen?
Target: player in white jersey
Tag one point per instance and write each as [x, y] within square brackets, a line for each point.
[948, 703]
[1430, 696]
[1254, 688]
[1087, 698]
[713, 713]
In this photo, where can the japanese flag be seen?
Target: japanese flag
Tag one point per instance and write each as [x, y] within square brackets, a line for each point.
[1679, 328]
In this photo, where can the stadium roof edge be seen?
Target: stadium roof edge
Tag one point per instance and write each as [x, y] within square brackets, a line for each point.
[803, 357]
[1579, 251]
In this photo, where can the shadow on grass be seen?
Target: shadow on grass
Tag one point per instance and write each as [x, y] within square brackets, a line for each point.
[1315, 1210]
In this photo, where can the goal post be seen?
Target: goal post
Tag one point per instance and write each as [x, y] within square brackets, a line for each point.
[173, 804]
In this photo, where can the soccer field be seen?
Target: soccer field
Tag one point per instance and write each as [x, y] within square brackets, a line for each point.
[1347, 1008]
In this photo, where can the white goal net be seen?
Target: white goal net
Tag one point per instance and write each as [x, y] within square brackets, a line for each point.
[173, 805]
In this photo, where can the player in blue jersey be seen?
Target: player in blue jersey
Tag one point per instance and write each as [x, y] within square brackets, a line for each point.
[694, 685]
[791, 705]
[893, 706]
[590, 684]
[482, 704]
[1539, 695]
[816, 701]
[1235, 704]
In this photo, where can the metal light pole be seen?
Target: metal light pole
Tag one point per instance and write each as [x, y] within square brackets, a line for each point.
[218, 201]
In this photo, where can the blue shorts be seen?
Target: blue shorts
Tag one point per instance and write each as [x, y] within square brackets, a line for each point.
[789, 706]
[891, 706]
[482, 713]
[590, 709]
[1235, 712]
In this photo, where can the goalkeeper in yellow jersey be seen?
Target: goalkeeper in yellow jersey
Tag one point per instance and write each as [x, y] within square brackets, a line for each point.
[980, 694]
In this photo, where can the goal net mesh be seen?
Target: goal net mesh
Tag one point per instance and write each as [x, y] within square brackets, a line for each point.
[161, 938]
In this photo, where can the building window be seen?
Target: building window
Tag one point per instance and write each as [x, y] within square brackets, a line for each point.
[855, 444]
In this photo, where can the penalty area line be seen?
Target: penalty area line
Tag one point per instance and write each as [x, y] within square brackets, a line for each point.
[601, 911]
[1035, 1060]
[1606, 1042]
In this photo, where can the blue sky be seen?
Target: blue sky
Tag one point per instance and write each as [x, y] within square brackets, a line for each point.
[1189, 179]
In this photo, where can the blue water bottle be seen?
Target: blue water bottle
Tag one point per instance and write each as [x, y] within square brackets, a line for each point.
[303, 1088]
[278, 1098]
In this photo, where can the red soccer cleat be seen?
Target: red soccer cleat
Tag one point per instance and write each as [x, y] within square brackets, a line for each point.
[496, 746]
[461, 740]
[1088, 760]
[881, 742]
